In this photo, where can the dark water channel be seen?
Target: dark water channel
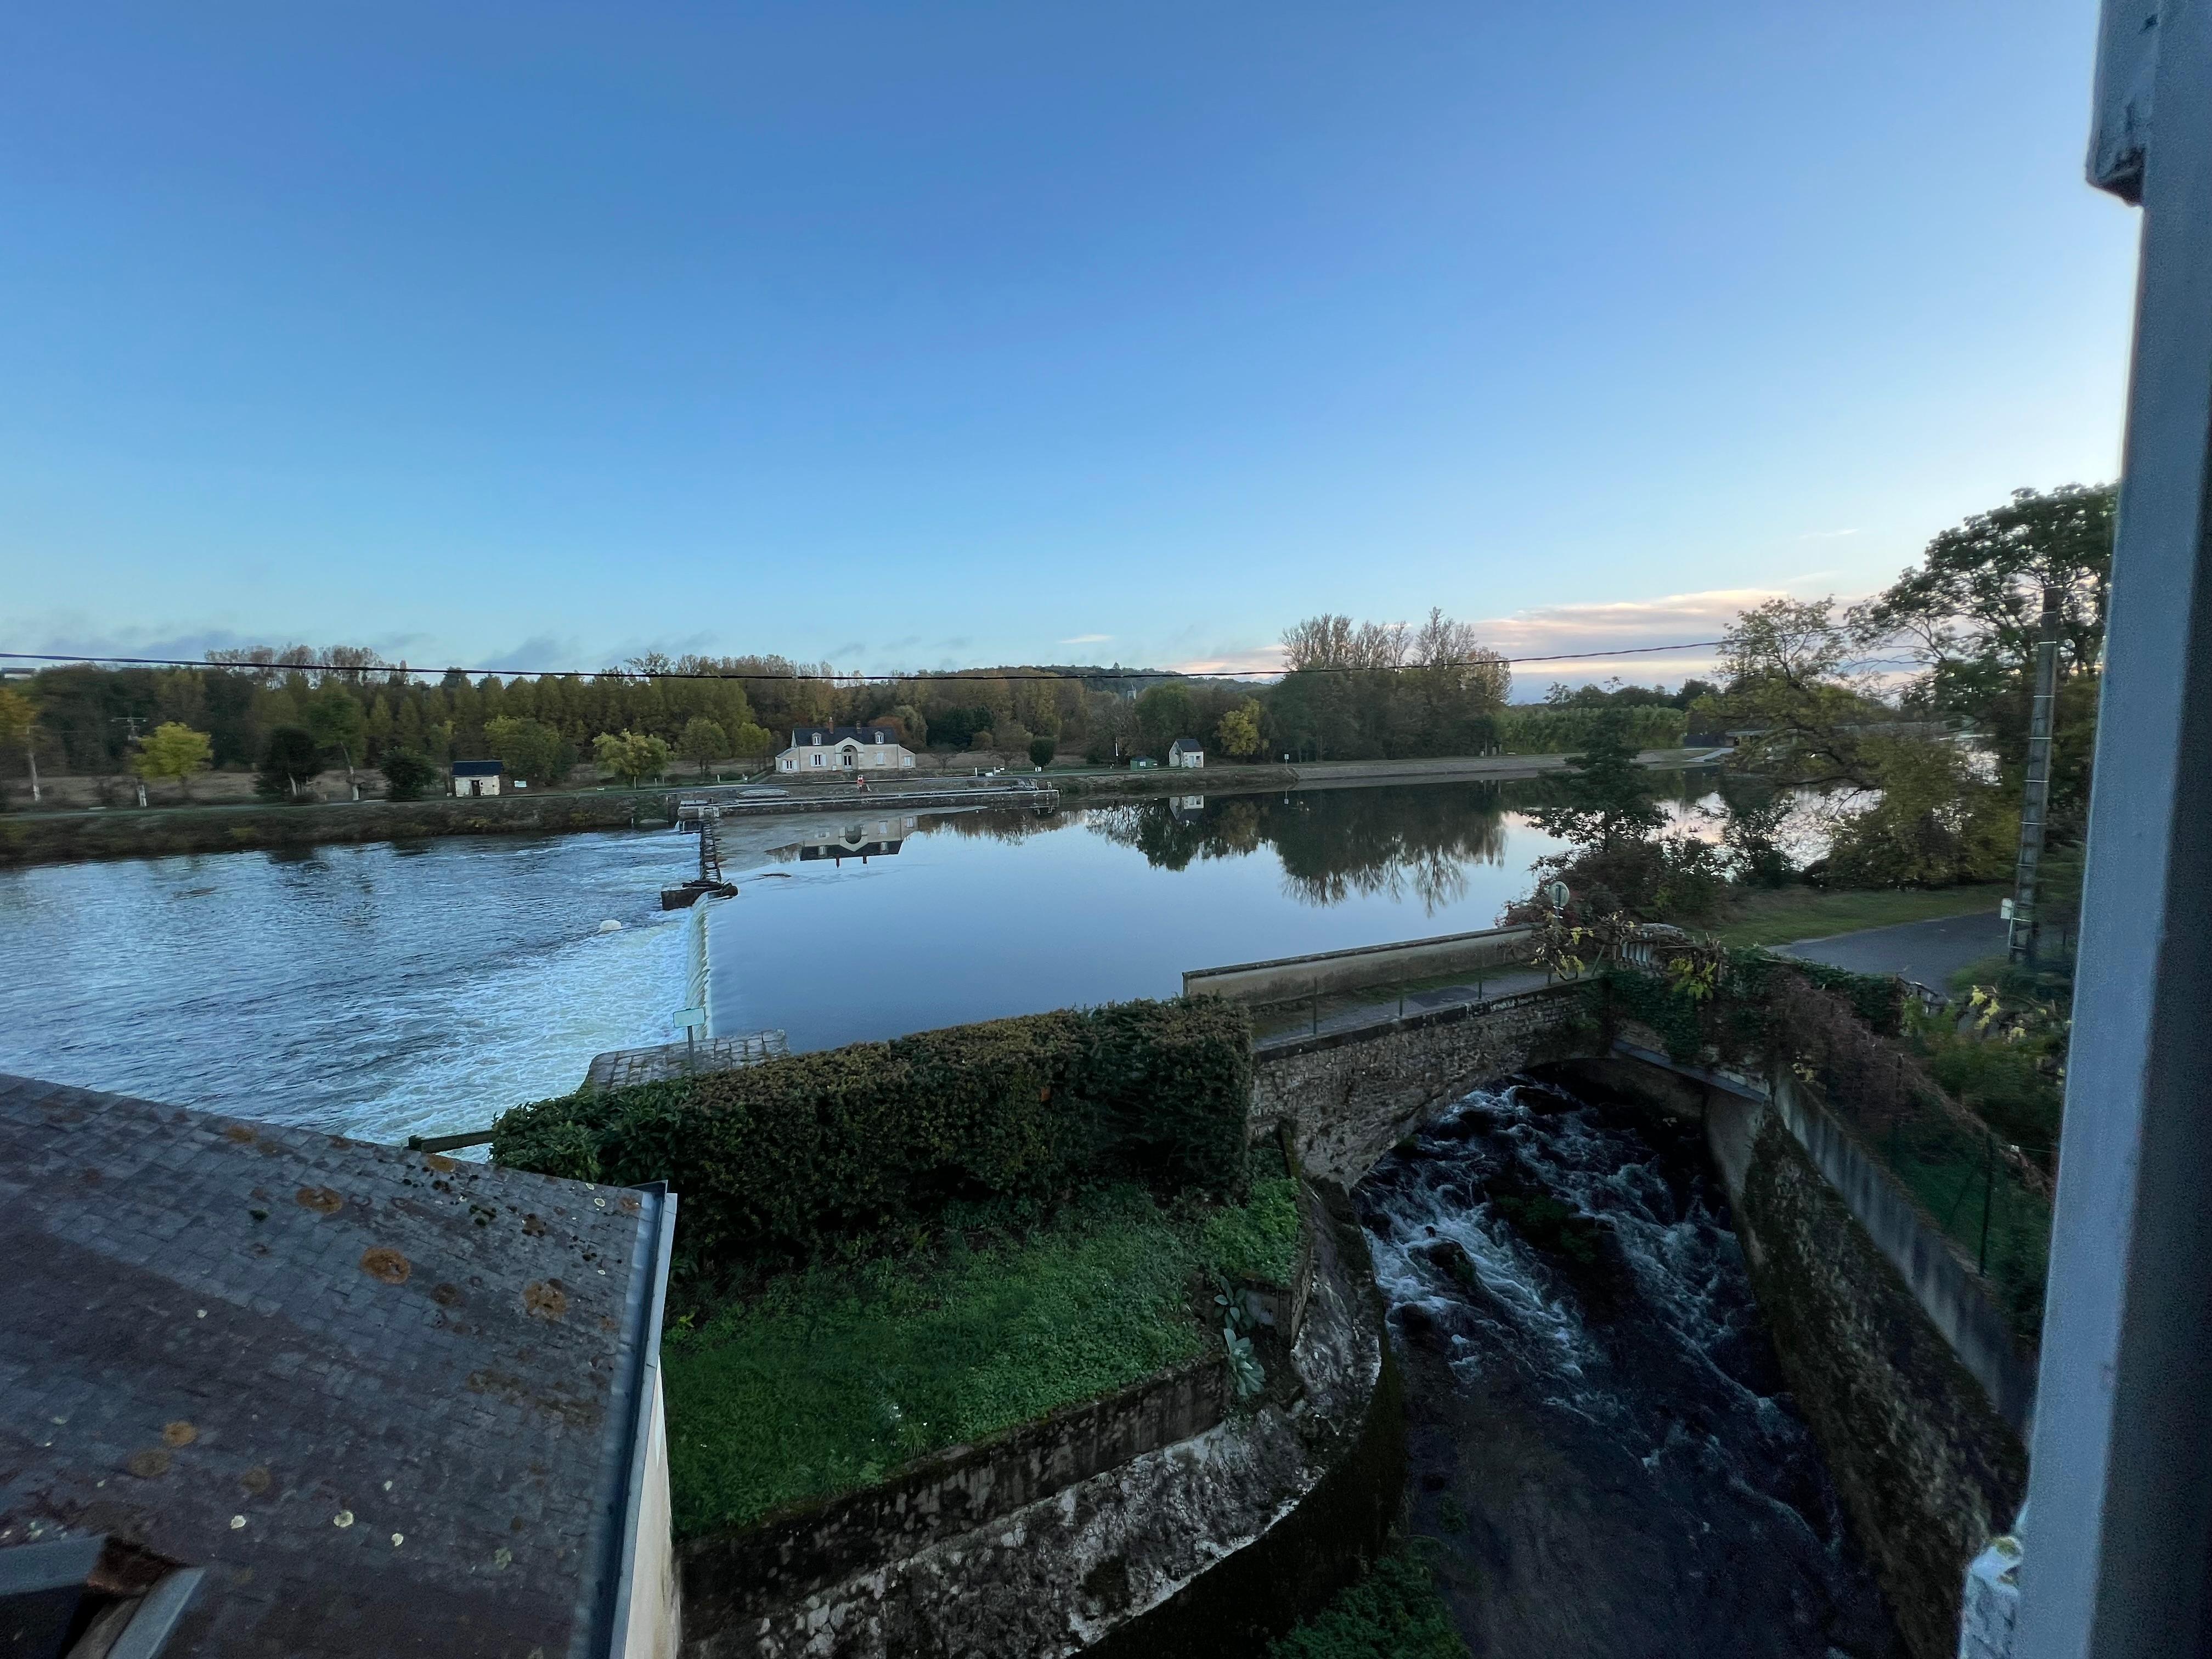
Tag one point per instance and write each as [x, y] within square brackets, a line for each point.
[1601, 1440]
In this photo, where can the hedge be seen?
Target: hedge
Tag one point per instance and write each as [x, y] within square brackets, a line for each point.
[787, 1154]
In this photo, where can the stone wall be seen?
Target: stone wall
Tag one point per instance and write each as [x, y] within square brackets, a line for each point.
[1108, 1552]
[1905, 1372]
[1929, 1470]
[732, 1578]
[1348, 1097]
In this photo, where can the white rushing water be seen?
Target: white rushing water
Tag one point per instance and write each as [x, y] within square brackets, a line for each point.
[1605, 1447]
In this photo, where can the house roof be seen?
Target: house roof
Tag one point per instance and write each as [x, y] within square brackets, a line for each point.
[1185, 745]
[478, 768]
[804, 736]
[387, 1400]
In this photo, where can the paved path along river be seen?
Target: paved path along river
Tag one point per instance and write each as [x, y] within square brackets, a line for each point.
[1926, 952]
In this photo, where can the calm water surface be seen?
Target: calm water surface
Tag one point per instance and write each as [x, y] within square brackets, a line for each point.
[390, 989]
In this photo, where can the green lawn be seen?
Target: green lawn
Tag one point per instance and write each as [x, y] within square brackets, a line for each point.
[826, 1379]
[1788, 914]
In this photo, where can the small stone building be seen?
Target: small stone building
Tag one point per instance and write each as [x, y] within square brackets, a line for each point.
[1186, 751]
[477, 777]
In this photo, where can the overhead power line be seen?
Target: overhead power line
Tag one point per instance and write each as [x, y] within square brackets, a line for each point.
[836, 677]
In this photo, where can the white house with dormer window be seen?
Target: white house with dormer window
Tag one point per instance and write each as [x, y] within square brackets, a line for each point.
[827, 752]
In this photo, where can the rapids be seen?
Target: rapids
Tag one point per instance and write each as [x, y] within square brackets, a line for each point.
[1602, 1444]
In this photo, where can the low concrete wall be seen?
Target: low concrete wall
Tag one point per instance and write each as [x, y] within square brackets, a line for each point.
[1945, 1289]
[1348, 1097]
[1286, 977]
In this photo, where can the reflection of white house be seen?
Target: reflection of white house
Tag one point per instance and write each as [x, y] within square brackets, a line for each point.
[477, 777]
[871, 839]
[823, 751]
[1186, 751]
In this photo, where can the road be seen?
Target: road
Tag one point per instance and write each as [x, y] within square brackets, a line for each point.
[1929, 952]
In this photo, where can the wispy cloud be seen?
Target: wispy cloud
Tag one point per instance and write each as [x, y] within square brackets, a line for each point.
[1260, 660]
[1087, 639]
[1629, 627]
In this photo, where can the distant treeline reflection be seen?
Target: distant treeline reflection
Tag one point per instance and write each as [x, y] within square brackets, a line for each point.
[1397, 842]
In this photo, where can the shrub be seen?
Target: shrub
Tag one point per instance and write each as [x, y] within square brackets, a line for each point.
[1042, 749]
[1394, 1612]
[785, 1155]
[406, 777]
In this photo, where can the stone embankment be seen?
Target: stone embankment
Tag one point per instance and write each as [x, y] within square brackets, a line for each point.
[1184, 1523]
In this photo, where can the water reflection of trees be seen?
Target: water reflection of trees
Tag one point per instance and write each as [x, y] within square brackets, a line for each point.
[1334, 844]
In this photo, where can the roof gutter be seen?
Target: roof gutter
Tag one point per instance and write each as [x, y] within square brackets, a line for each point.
[640, 1375]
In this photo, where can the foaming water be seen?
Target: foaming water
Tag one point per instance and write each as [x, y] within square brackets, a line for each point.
[378, 991]
[1601, 1440]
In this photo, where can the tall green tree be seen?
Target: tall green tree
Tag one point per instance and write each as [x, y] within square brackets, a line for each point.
[1609, 797]
[1970, 617]
[1237, 736]
[19, 725]
[1802, 713]
[702, 742]
[334, 714]
[1165, 713]
[633, 755]
[172, 750]
[530, 750]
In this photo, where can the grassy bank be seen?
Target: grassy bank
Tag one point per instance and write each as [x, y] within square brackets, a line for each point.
[61, 837]
[817, 1381]
[1787, 915]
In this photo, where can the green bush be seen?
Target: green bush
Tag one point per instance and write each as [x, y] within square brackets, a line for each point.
[2000, 1082]
[786, 1155]
[1394, 1612]
[1259, 1240]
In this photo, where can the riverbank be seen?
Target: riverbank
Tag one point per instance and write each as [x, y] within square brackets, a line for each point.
[28, 838]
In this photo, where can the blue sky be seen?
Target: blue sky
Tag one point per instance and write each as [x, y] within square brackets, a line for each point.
[538, 335]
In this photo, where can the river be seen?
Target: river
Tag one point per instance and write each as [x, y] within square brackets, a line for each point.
[396, 988]
[1601, 1442]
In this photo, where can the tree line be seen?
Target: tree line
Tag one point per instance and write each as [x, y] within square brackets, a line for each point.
[1898, 726]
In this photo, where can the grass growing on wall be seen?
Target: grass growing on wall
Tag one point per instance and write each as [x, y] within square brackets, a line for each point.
[1259, 1239]
[1394, 1613]
[826, 1378]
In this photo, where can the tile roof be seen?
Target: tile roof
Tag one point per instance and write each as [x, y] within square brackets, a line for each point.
[386, 1399]
[804, 736]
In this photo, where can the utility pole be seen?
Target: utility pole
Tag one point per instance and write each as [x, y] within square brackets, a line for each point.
[2035, 796]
